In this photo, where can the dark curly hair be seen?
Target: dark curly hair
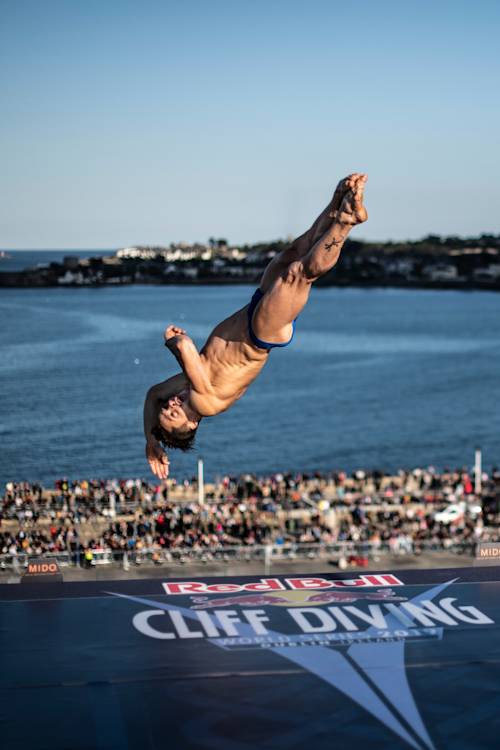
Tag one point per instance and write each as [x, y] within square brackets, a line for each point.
[182, 439]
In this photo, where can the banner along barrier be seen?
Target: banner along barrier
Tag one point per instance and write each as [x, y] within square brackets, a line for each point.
[400, 659]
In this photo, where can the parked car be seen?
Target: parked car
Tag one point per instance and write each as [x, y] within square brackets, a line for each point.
[456, 511]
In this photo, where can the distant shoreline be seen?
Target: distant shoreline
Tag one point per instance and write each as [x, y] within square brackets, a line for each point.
[470, 264]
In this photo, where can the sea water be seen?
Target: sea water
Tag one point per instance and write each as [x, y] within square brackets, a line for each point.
[374, 378]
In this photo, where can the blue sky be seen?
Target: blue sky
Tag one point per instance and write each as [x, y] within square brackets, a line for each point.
[151, 122]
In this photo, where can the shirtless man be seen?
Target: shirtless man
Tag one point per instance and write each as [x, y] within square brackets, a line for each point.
[238, 348]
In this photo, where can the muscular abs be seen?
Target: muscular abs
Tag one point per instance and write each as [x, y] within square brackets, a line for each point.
[232, 363]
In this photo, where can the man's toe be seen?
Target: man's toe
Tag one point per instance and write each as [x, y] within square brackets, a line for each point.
[342, 188]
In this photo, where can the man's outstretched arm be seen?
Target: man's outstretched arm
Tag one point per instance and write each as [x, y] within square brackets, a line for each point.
[188, 357]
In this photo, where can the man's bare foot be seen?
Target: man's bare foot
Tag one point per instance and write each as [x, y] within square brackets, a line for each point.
[340, 192]
[325, 252]
[351, 210]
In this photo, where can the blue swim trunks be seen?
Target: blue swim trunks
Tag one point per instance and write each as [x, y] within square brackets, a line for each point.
[258, 294]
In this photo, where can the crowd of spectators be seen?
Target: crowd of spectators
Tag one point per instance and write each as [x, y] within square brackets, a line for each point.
[85, 500]
[415, 529]
[133, 515]
[79, 501]
[37, 541]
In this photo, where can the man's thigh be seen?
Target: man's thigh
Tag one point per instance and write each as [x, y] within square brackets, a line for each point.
[283, 300]
[277, 267]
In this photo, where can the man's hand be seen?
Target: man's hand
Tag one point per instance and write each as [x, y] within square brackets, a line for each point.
[171, 334]
[157, 458]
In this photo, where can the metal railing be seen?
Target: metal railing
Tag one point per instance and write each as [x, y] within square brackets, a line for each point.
[267, 554]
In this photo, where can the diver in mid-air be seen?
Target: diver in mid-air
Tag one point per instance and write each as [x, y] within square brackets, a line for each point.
[238, 348]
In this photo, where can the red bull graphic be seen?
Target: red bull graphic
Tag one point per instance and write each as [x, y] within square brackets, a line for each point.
[295, 599]
[264, 585]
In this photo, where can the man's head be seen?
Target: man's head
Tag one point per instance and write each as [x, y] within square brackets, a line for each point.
[177, 423]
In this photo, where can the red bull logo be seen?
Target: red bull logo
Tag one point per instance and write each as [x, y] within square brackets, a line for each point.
[266, 585]
[294, 599]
